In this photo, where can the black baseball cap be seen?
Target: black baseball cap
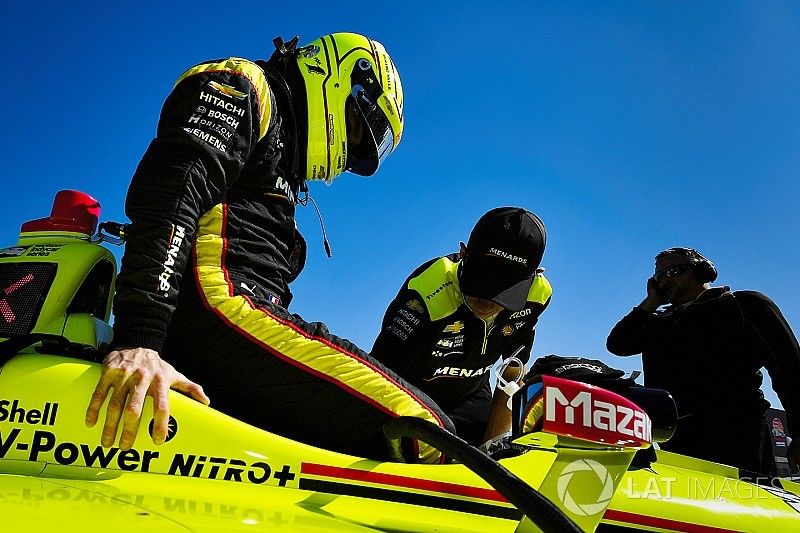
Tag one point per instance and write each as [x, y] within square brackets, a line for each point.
[504, 250]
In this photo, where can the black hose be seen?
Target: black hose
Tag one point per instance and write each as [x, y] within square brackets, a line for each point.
[544, 513]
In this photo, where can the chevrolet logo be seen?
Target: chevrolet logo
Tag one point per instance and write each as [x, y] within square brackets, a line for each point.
[455, 327]
[227, 90]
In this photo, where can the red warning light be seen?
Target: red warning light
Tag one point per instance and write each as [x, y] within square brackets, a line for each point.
[73, 211]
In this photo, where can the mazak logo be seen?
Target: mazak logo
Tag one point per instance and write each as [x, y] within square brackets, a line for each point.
[594, 414]
[584, 475]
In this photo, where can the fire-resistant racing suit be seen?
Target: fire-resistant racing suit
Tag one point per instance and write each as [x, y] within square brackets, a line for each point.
[430, 337]
[212, 206]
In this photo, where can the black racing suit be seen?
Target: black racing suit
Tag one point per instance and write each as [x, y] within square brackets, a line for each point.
[212, 206]
[708, 354]
[431, 338]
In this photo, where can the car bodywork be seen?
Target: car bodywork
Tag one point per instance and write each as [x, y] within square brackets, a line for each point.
[586, 456]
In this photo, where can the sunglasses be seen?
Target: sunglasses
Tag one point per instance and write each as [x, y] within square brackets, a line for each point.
[671, 272]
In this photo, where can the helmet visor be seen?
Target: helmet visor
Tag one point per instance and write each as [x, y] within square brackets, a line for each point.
[369, 135]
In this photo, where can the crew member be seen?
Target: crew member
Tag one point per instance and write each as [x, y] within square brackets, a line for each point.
[707, 347]
[213, 246]
[457, 315]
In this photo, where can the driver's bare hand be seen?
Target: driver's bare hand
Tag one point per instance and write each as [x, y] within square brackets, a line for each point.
[128, 376]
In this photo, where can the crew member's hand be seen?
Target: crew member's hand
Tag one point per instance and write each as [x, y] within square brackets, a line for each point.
[793, 455]
[133, 374]
[499, 419]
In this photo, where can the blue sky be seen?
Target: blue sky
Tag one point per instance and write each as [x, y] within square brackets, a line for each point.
[628, 127]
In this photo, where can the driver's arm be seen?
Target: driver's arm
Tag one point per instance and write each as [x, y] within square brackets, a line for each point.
[184, 173]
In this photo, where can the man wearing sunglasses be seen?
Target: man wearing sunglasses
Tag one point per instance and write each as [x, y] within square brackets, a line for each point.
[213, 246]
[706, 346]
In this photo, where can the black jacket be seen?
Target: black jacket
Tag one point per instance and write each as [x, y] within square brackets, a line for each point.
[708, 355]
[219, 148]
[432, 339]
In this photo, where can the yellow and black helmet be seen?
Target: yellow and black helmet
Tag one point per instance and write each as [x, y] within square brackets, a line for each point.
[355, 105]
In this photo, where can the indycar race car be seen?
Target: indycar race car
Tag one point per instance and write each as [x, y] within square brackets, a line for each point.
[580, 457]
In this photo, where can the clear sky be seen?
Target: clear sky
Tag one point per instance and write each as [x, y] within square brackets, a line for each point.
[628, 127]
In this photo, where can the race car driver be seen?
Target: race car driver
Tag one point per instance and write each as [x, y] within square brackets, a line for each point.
[213, 245]
[457, 315]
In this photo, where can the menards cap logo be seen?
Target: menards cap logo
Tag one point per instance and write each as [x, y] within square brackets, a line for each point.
[227, 90]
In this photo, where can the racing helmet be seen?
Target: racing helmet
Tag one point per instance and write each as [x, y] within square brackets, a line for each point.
[355, 105]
